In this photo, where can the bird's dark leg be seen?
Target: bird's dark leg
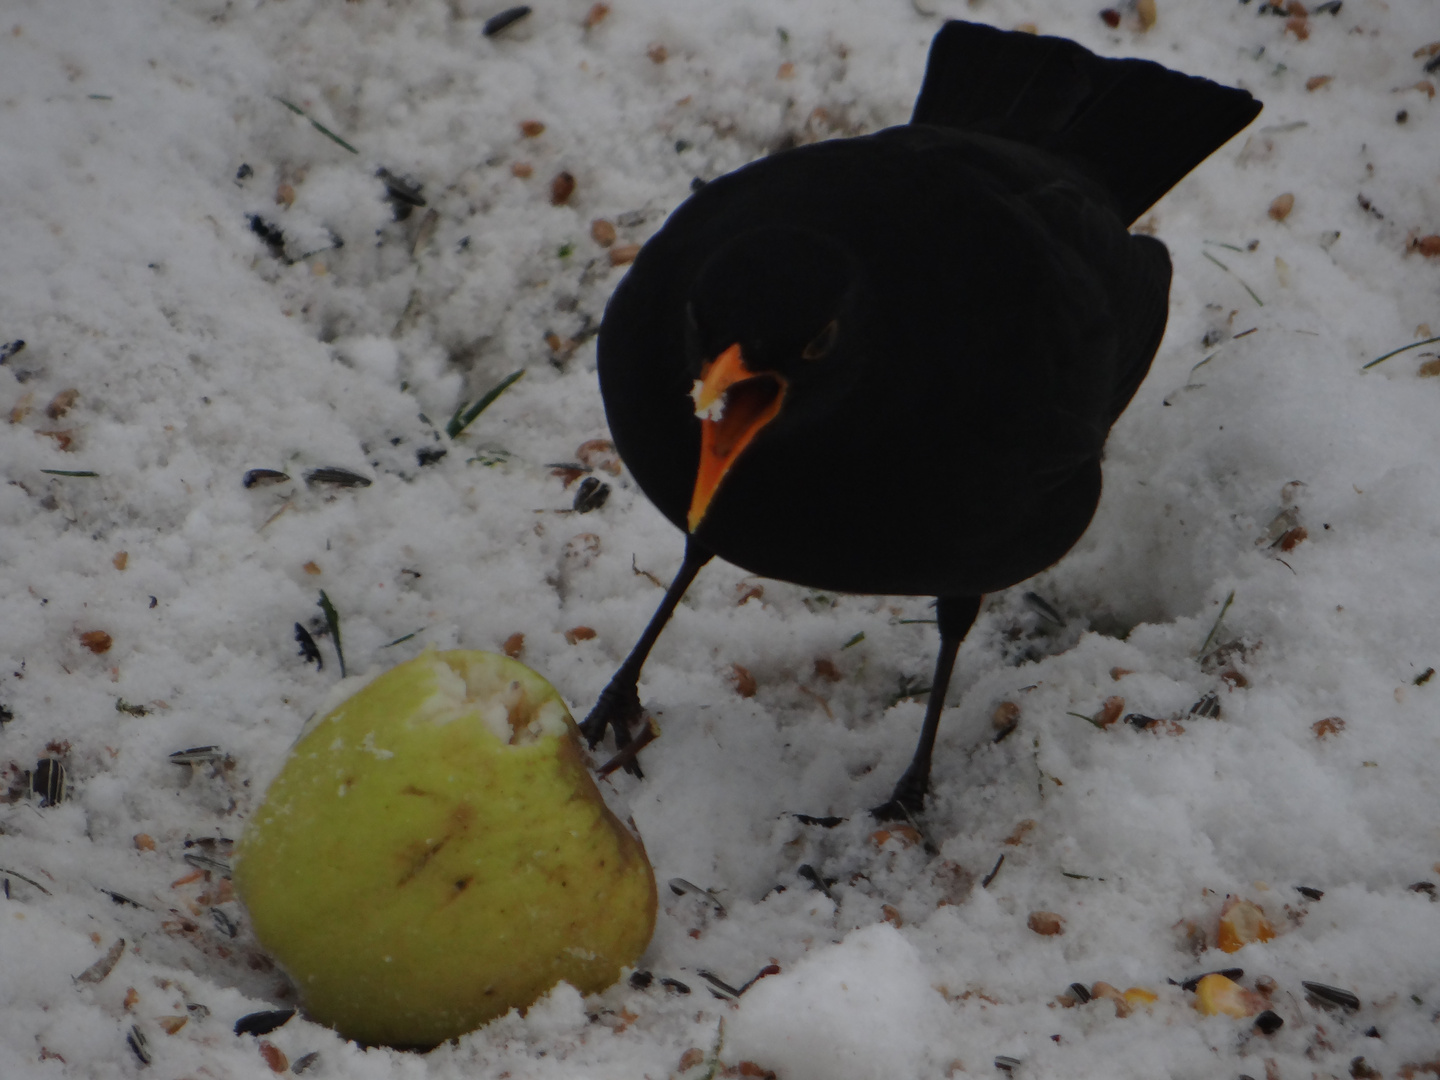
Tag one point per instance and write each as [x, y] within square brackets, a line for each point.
[956, 614]
[619, 704]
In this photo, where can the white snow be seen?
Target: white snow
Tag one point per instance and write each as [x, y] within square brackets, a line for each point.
[130, 269]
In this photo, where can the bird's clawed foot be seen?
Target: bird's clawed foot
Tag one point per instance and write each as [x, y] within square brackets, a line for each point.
[907, 801]
[618, 709]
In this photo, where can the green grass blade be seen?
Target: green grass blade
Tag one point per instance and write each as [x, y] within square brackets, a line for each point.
[465, 416]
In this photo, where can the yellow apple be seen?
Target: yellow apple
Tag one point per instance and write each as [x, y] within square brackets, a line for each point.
[434, 852]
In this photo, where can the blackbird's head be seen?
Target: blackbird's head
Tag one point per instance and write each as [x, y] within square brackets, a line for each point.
[769, 336]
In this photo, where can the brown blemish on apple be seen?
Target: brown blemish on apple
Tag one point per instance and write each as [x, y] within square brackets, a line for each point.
[417, 856]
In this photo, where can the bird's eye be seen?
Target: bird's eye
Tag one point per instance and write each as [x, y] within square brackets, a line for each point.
[822, 343]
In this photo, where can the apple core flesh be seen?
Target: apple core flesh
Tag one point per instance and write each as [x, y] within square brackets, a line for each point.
[434, 852]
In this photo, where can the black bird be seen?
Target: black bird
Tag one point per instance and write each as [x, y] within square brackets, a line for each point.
[889, 364]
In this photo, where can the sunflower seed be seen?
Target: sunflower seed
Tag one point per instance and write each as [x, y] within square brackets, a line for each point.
[205, 862]
[1321, 994]
[139, 1044]
[262, 1023]
[48, 781]
[679, 886]
[1207, 706]
[591, 495]
[198, 755]
[336, 477]
[506, 18]
[264, 477]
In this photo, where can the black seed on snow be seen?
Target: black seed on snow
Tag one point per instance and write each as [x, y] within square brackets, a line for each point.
[401, 187]
[591, 495]
[1079, 993]
[205, 862]
[402, 193]
[1269, 1022]
[198, 755]
[508, 17]
[138, 1044]
[679, 886]
[1208, 706]
[810, 874]
[48, 781]
[1043, 608]
[263, 477]
[641, 980]
[338, 477]
[1331, 995]
[262, 1023]
[718, 983]
[11, 348]
[823, 822]
[676, 985]
[305, 1061]
[308, 649]
[429, 455]
[272, 236]
[1309, 893]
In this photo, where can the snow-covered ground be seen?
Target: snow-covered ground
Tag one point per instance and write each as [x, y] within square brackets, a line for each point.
[150, 598]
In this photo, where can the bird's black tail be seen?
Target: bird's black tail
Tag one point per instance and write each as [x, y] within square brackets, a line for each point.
[1133, 125]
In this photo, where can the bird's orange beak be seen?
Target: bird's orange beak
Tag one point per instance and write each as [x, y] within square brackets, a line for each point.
[733, 404]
